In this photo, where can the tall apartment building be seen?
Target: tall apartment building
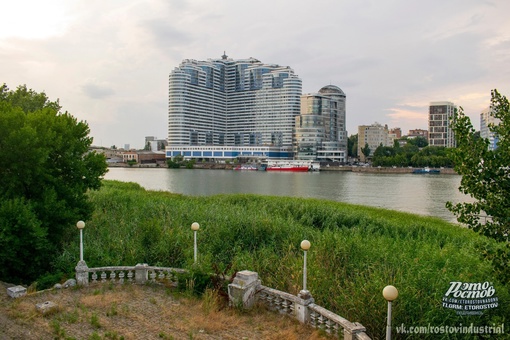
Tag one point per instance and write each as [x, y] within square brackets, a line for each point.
[223, 108]
[486, 118]
[440, 132]
[373, 135]
[320, 132]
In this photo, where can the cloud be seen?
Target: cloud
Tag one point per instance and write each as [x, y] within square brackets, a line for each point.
[95, 91]
[108, 62]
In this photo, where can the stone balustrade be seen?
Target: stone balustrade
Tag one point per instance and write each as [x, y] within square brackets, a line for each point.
[244, 292]
[334, 324]
[140, 274]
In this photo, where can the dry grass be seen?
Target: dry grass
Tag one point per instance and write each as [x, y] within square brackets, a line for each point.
[140, 312]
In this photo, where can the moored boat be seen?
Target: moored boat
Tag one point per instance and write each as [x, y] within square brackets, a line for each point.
[249, 167]
[426, 170]
[293, 166]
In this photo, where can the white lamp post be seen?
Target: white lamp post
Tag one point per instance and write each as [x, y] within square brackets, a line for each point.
[305, 245]
[195, 226]
[390, 293]
[80, 225]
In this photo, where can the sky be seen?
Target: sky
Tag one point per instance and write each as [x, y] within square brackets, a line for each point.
[108, 61]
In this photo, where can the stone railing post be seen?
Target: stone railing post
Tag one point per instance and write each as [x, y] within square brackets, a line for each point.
[241, 292]
[301, 306]
[141, 273]
[82, 273]
[350, 333]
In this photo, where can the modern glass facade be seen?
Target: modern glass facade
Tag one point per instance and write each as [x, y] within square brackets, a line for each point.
[440, 133]
[320, 132]
[226, 102]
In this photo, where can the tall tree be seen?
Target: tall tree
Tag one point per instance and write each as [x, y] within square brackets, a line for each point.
[485, 173]
[352, 146]
[366, 151]
[45, 171]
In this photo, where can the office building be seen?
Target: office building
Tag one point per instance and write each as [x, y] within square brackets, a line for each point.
[225, 108]
[320, 132]
[440, 132]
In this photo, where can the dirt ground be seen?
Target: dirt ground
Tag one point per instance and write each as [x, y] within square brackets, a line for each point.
[139, 312]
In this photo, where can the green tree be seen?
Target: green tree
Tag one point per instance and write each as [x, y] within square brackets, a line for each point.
[486, 178]
[485, 173]
[419, 141]
[365, 151]
[176, 162]
[352, 146]
[45, 171]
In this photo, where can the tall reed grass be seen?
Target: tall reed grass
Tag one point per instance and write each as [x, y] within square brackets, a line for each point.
[356, 250]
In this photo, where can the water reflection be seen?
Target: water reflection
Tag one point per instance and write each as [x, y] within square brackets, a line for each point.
[419, 194]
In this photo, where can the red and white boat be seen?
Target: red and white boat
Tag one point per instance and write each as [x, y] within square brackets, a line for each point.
[293, 166]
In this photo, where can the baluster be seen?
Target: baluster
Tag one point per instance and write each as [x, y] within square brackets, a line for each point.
[262, 296]
[313, 318]
[94, 277]
[320, 321]
[285, 306]
[277, 302]
[161, 275]
[328, 325]
[336, 328]
[121, 276]
[103, 276]
[130, 276]
[112, 276]
[152, 275]
[270, 299]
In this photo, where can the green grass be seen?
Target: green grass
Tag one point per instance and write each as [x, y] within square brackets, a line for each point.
[356, 250]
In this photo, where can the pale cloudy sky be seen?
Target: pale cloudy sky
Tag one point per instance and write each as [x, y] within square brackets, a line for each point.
[108, 60]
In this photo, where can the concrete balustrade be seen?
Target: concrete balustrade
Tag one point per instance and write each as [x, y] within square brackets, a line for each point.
[244, 292]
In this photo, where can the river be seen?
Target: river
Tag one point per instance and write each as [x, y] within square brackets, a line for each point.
[419, 194]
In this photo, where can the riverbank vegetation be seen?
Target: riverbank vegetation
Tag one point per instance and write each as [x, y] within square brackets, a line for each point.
[356, 250]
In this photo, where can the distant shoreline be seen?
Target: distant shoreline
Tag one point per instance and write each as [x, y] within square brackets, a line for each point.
[365, 169]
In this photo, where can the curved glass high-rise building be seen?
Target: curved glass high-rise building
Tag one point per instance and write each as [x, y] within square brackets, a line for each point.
[234, 103]
[320, 132]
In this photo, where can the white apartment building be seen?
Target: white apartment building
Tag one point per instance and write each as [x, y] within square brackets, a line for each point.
[486, 119]
[440, 132]
[240, 104]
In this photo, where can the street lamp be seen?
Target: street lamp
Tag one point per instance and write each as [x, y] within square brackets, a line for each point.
[390, 293]
[305, 245]
[195, 226]
[80, 225]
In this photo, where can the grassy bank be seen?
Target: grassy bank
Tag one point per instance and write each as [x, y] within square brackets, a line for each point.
[356, 250]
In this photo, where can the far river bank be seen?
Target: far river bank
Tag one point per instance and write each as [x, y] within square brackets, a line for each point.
[365, 169]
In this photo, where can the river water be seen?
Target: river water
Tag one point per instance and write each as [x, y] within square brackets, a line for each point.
[419, 194]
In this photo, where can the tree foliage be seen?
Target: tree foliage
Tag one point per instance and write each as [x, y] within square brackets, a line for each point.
[352, 146]
[486, 178]
[366, 150]
[485, 173]
[45, 171]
